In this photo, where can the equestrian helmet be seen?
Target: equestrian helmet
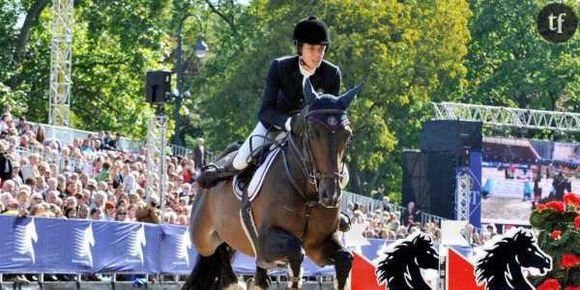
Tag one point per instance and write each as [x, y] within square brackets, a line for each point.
[312, 31]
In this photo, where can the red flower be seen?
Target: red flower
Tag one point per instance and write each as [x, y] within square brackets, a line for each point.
[571, 198]
[577, 222]
[556, 205]
[540, 207]
[550, 284]
[556, 235]
[568, 260]
[572, 288]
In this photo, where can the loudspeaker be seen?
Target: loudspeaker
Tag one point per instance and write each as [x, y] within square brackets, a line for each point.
[429, 181]
[415, 185]
[451, 135]
[441, 177]
[158, 86]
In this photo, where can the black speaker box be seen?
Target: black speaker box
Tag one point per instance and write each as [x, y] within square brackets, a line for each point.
[429, 181]
[451, 135]
[158, 86]
[415, 185]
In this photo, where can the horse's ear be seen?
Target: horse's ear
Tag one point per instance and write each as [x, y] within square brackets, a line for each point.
[347, 98]
[310, 94]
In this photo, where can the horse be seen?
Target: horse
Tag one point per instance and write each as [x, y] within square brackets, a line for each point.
[400, 268]
[500, 264]
[296, 211]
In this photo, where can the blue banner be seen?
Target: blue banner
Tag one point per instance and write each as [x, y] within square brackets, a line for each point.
[475, 160]
[46, 245]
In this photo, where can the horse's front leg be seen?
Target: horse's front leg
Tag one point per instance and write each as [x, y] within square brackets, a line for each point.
[277, 245]
[331, 252]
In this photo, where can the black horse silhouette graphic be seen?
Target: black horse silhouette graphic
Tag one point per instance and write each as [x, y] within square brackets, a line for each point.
[400, 268]
[500, 266]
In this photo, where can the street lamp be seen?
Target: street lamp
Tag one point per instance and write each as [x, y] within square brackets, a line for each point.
[201, 50]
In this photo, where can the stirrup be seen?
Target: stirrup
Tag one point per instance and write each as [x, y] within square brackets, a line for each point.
[211, 166]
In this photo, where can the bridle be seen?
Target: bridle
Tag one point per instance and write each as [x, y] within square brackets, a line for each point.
[307, 159]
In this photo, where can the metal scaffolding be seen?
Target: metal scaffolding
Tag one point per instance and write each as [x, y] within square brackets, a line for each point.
[60, 62]
[463, 194]
[510, 117]
[156, 164]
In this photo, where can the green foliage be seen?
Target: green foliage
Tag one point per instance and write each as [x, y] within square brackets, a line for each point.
[405, 51]
[114, 44]
[511, 64]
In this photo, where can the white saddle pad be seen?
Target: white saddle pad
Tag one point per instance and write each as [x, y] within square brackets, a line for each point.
[257, 179]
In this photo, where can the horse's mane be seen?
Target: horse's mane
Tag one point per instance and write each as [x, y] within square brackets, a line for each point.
[401, 254]
[500, 252]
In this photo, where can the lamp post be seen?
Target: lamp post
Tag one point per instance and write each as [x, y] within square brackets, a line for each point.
[201, 50]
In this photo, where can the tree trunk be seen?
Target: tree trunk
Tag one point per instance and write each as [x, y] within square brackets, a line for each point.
[355, 176]
[20, 47]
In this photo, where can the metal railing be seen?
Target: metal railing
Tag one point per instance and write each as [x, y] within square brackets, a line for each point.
[366, 201]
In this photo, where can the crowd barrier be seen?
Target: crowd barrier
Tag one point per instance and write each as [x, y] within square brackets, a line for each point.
[48, 245]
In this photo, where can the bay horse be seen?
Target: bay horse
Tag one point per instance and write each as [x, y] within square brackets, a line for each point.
[296, 211]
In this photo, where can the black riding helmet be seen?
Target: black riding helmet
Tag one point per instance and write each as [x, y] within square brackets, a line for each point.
[312, 31]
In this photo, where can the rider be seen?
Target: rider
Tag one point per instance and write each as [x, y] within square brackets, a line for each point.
[284, 93]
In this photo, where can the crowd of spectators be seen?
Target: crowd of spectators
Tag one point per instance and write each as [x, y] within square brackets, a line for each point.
[87, 179]
[392, 222]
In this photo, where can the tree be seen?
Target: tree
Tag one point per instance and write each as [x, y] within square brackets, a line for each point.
[510, 64]
[406, 51]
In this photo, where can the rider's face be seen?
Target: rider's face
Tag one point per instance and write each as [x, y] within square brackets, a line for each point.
[312, 55]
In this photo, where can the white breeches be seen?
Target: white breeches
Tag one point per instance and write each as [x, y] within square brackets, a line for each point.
[243, 157]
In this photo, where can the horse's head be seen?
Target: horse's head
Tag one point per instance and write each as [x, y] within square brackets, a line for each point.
[427, 256]
[323, 132]
[528, 254]
[402, 263]
[515, 249]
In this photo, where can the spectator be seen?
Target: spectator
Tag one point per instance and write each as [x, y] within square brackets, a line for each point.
[40, 135]
[83, 211]
[96, 214]
[70, 213]
[187, 171]
[386, 204]
[10, 187]
[411, 214]
[104, 174]
[110, 210]
[121, 215]
[131, 213]
[527, 190]
[5, 164]
[199, 154]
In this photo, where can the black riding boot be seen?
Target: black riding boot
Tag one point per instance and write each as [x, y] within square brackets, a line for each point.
[212, 174]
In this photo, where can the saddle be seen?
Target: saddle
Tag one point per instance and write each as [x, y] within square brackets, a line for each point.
[222, 169]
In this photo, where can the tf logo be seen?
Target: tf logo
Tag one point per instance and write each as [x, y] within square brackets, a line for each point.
[557, 23]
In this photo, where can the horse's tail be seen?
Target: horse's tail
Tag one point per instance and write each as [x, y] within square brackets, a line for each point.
[213, 272]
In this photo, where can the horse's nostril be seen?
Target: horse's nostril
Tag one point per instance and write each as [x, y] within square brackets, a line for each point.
[328, 202]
